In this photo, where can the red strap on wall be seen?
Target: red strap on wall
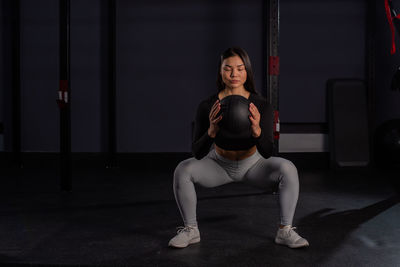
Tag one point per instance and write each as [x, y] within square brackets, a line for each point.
[273, 65]
[390, 20]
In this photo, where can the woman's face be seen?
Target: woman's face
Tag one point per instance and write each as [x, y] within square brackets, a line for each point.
[233, 72]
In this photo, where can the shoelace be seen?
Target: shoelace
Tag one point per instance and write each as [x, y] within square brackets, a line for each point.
[181, 229]
[293, 233]
[290, 231]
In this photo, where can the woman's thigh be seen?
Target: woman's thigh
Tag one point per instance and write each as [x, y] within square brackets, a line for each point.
[205, 172]
[266, 173]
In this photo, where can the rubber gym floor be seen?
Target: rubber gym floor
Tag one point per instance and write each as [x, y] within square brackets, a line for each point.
[125, 216]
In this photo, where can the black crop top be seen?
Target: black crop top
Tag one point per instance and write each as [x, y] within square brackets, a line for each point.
[202, 141]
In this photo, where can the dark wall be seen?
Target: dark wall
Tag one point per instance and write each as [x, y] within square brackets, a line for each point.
[167, 53]
[39, 74]
[320, 40]
[89, 72]
[5, 67]
[167, 61]
[3, 59]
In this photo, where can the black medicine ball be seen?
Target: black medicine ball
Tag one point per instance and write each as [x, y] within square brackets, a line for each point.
[235, 123]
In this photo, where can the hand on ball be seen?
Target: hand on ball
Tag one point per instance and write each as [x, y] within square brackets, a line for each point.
[255, 120]
[213, 129]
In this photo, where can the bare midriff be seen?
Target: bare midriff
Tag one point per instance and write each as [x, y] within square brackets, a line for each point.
[235, 155]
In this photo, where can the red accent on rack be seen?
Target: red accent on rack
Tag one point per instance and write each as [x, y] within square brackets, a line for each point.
[390, 20]
[64, 85]
[63, 94]
[273, 65]
[276, 125]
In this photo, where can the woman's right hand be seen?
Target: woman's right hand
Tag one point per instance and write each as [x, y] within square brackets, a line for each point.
[214, 128]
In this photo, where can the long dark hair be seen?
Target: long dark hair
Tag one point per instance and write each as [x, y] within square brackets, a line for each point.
[237, 51]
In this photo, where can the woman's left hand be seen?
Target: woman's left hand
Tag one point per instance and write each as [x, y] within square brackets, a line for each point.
[255, 120]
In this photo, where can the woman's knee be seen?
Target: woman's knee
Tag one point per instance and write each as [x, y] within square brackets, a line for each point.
[288, 170]
[183, 170]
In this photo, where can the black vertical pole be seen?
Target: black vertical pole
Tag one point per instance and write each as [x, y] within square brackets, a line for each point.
[273, 60]
[65, 97]
[111, 84]
[16, 82]
[370, 69]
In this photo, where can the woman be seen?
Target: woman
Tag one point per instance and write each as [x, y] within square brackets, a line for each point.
[248, 160]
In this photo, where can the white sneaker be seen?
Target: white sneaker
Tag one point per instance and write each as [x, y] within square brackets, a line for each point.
[287, 236]
[185, 236]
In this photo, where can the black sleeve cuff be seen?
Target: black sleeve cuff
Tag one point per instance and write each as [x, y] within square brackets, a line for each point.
[202, 146]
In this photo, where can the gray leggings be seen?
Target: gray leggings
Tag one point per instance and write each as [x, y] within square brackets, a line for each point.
[214, 170]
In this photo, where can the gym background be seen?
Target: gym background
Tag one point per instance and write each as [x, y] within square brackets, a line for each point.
[137, 76]
[166, 58]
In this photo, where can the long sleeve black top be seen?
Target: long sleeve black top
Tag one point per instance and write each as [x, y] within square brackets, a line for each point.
[202, 141]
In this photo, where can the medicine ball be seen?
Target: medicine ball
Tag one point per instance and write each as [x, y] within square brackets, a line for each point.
[235, 123]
